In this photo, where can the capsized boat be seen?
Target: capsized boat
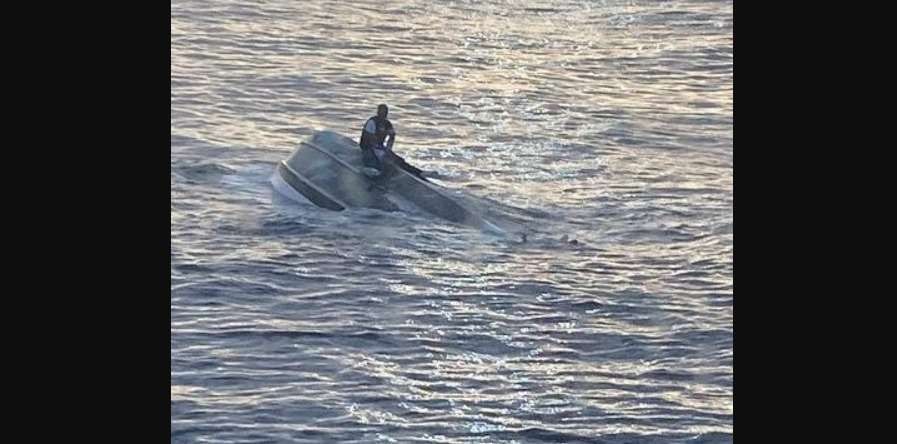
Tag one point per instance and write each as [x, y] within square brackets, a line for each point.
[327, 169]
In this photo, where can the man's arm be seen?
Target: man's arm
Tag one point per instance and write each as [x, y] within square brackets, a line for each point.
[390, 137]
[370, 128]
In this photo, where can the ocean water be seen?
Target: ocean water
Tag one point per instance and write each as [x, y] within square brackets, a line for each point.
[604, 127]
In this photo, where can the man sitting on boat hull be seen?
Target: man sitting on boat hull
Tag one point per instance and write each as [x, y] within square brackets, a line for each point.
[377, 139]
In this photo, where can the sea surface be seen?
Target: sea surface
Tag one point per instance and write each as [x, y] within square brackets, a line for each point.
[604, 127]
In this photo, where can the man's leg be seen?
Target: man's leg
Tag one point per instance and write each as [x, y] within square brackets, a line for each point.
[400, 163]
[370, 160]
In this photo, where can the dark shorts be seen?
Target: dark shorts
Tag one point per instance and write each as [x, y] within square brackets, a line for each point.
[369, 159]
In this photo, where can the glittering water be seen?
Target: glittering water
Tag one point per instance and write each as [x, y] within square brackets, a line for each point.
[607, 123]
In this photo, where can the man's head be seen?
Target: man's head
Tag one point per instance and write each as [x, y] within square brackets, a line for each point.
[382, 111]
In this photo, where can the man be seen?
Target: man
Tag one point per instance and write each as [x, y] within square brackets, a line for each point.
[376, 150]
